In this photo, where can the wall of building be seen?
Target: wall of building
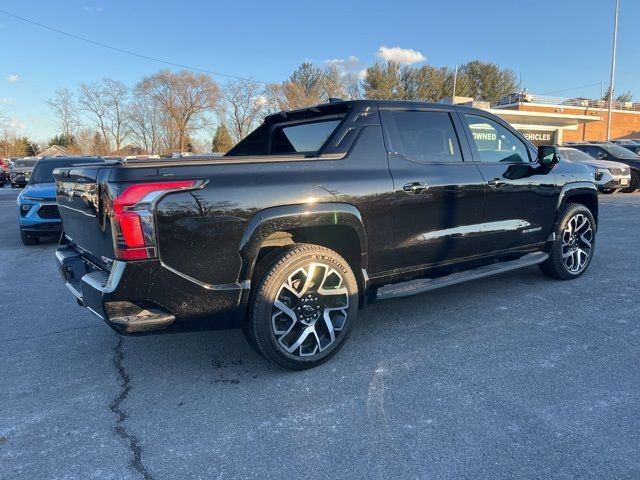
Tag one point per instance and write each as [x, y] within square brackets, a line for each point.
[624, 124]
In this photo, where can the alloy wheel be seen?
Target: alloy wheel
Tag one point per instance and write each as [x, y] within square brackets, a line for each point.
[577, 239]
[310, 310]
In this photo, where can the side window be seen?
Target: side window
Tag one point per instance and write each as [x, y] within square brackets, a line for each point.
[494, 142]
[422, 136]
[302, 138]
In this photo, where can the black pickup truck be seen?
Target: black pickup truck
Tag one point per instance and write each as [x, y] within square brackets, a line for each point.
[316, 213]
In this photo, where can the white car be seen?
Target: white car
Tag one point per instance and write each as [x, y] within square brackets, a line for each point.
[609, 176]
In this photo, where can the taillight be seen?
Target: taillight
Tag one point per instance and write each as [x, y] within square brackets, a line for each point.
[135, 237]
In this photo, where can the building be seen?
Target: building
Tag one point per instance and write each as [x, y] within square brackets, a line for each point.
[54, 151]
[552, 120]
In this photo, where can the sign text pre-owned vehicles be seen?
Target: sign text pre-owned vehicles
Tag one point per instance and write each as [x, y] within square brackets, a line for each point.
[313, 215]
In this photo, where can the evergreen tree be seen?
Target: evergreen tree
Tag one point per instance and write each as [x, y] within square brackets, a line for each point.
[222, 141]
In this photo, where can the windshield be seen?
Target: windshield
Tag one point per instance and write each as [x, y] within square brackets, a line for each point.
[576, 155]
[43, 172]
[620, 152]
[24, 163]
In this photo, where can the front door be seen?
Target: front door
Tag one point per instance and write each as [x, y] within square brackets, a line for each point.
[439, 191]
[520, 193]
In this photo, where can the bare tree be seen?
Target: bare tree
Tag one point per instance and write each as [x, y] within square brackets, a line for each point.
[245, 104]
[146, 120]
[184, 96]
[65, 108]
[94, 104]
[105, 103]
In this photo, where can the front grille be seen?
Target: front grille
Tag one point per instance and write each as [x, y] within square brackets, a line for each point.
[618, 171]
[48, 211]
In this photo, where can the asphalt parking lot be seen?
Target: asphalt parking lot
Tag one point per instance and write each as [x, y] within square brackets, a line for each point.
[516, 376]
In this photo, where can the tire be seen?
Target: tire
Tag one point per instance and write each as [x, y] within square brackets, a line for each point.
[634, 184]
[572, 250]
[607, 191]
[28, 239]
[288, 320]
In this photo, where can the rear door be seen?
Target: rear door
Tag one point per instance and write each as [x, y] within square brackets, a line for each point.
[439, 191]
[520, 193]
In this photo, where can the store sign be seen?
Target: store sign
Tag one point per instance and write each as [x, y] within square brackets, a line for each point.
[538, 137]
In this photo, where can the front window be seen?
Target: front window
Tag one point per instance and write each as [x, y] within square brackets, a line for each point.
[575, 155]
[619, 152]
[495, 143]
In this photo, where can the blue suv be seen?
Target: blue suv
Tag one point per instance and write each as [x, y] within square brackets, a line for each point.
[37, 208]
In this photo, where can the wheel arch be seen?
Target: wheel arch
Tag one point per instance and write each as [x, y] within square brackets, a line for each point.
[338, 226]
[584, 193]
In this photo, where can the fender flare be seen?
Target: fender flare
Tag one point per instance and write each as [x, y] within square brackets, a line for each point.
[577, 188]
[270, 220]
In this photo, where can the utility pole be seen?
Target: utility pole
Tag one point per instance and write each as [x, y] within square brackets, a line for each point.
[455, 81]
[613, 68]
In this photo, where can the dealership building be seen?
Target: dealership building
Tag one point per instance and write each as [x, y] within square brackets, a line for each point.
[552, 120]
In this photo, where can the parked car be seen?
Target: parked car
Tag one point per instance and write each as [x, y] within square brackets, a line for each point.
[625, 142]
[610, 176]
[21, 171]
[3, 178]
[616, 153]
[38, 214]
[632, 148]
[316, 213]
[5, 166]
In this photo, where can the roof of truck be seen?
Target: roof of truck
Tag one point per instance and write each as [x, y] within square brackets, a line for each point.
[342, 106]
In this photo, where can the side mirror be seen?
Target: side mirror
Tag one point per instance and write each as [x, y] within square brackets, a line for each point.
[548, 155]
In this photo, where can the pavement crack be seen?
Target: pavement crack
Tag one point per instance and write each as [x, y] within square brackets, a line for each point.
[116, 407]
[64, 330]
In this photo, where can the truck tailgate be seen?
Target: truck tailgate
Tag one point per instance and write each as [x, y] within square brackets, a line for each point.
[84, 201]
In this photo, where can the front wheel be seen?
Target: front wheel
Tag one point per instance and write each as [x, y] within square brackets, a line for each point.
[28, 239]
[633, 184]
[575, 240]
[304, 306]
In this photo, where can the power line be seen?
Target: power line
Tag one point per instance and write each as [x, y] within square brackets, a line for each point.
[572, 88]
[128, 52]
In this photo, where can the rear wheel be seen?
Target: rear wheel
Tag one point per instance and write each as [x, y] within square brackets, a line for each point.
[28, 239]
[574, 244]
[633, 184]
[304, 307]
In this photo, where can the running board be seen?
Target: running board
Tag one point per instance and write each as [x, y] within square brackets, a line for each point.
[412, 287]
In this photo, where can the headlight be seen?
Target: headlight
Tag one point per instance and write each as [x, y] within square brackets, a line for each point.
[599, 173]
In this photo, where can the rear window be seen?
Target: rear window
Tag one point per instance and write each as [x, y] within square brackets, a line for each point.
[422, 136]
[290, 138]
[24, 163]
[43, 172]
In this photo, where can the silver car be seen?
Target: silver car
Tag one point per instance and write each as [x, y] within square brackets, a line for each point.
[609, 176]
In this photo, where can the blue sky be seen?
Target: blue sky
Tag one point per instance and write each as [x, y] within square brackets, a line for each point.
[553, 44]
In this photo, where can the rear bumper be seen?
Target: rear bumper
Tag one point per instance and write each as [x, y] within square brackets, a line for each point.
[144, 296]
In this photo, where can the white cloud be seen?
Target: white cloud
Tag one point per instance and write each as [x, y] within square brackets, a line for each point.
[16, 124]
[13, 78]
[400, 55]
[89, 8]
[5, 100]
[350, 64]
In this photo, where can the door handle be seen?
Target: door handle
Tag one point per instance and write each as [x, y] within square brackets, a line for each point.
[496, 183]
[415, 188]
